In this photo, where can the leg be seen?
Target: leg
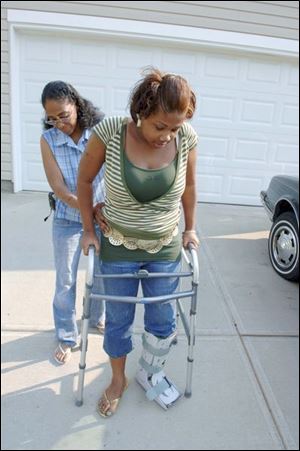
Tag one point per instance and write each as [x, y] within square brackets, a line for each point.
[97, 313]
[109, 401]
[118, 329]
[66, 243]
[160, 326]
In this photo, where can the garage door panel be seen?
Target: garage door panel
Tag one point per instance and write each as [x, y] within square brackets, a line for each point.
[231, 185]
[293, 77]
[287, 154]
[262, 72]
[82, 55]
[210, 186]
[42, 58]
[180, 63]
[127, 59]
[95, 93]
[240, 86]
[31, 168]
[246, 154]
[230, 67]
[250, 151]
[232, 177]
[119, 100]
[247, 114]
[290, 170]
[267, 113]
[31, 131]
[253, 130]
[257, 112]
[242, 186]
[216, 107]
[240, 74]
[31, 93]
[33, 173]
[290, 116]
[245, 165]
[213, 147]
[36, 49]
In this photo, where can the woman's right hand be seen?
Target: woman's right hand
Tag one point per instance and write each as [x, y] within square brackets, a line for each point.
[89, 239]
[100, 218]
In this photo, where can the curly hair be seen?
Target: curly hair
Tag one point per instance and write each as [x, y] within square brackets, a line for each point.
[87, 114]
[158, 90]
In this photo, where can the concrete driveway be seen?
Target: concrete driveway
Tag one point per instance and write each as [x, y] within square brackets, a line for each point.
[245, 378]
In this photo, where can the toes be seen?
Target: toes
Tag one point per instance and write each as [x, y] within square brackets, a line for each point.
[104, 406]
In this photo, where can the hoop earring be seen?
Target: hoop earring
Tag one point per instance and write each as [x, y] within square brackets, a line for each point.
[139, 122]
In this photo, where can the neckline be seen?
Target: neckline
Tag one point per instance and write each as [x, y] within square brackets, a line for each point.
[122, 164]
[151, 170]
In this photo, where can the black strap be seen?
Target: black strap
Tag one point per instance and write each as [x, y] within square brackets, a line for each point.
[45, 219]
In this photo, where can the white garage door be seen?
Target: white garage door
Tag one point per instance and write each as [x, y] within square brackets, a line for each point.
[247, 116]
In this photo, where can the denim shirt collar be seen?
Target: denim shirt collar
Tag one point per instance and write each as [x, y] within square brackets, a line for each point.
[62, 139]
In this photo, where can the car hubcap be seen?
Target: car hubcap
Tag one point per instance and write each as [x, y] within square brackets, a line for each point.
[284, 247]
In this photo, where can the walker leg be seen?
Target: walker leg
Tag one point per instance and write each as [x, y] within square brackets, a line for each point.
[83, 346]
[175, 340]
[191, 343]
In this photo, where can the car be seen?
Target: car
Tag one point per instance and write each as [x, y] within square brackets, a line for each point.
[281, 201]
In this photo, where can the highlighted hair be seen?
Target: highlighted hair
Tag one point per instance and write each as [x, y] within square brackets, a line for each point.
[157, 90]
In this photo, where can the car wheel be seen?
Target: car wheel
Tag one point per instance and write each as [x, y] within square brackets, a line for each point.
[284, 246]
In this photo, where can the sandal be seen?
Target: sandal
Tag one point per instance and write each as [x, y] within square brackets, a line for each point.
[107, 407]
[62, 353]
[101, 327]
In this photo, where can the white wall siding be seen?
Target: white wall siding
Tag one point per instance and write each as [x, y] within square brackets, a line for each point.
[277, 19]
[6, 172]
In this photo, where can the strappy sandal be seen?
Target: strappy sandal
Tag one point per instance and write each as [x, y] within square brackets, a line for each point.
[107, 407]
[65, 351]
[101, 327]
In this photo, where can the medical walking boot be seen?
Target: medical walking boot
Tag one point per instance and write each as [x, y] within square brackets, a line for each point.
[150, 374]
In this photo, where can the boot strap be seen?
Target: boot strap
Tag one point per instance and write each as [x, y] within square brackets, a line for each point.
[157, 389]
[151, 369]
[159, 352]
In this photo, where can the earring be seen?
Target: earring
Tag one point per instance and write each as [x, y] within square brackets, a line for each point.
[139, 122]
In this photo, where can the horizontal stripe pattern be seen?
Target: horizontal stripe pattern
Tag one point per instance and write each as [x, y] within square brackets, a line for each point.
[149, 220]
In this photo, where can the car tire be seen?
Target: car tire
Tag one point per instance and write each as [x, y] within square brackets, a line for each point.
[283, 246]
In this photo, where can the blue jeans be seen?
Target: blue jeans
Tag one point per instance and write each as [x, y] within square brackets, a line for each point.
[66, 243]
[159, 319]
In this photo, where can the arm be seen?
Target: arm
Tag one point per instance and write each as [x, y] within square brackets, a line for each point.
[55, 177]
[189, 199]
[90, 164]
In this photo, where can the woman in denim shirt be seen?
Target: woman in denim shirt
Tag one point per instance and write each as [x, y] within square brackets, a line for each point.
[69, 118]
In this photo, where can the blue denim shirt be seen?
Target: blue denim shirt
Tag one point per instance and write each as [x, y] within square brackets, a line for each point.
[67, 155]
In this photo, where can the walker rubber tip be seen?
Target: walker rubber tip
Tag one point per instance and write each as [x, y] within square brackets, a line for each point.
[79, 403]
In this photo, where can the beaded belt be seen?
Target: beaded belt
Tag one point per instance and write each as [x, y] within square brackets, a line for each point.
[152, 246]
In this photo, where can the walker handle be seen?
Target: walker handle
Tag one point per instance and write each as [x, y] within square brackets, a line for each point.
[191, 246]
[90, 268]
[195, 262]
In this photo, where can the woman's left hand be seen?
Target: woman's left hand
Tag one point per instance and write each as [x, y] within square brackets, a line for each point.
[99, 217]
[190, 236]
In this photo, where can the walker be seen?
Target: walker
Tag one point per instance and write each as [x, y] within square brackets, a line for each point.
[191, 261]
